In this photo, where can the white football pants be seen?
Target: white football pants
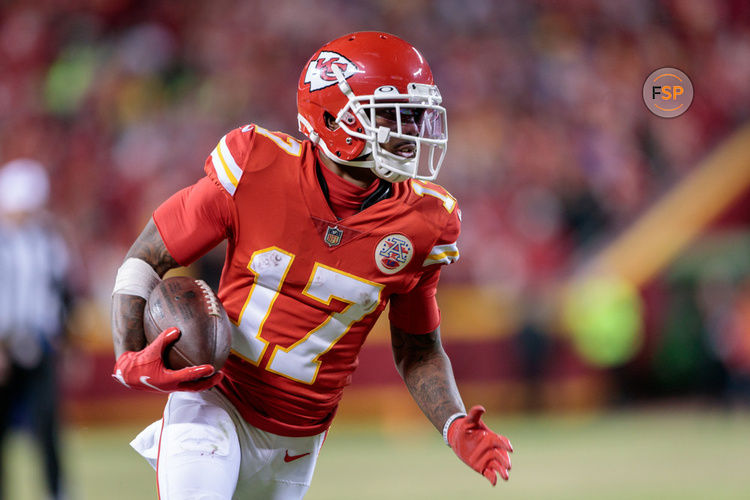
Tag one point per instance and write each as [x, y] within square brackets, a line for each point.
[202, 449]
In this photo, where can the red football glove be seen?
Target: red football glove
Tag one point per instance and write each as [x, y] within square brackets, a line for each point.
[145, 370]
[479, 447]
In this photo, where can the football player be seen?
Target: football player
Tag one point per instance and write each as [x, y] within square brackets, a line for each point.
[322, 235]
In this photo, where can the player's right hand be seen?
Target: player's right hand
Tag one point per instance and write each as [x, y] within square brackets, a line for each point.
[145, 370]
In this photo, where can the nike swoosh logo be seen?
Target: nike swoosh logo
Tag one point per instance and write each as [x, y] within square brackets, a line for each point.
[144, 380]
[291, 458]
[118, 376]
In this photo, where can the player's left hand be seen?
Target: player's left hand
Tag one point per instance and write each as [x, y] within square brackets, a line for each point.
[479, 447]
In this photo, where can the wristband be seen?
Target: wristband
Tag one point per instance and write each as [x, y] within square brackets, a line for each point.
[136, 277]
[448, 424]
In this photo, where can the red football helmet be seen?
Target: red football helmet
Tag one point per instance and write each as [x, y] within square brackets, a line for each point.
[353, 79]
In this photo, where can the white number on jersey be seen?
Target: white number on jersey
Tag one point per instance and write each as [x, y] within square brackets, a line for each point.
[300, 361]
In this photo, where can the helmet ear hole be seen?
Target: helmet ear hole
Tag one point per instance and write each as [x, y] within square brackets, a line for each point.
[330, 121]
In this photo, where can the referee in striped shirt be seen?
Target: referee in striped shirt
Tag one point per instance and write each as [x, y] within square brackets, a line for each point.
[33, 302]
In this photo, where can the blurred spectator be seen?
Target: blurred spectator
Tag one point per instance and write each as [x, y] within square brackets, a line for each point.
[34, 298]
[125, 100]
[724, 302]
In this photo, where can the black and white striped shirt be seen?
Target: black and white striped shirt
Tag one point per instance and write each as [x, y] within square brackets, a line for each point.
[34, 264]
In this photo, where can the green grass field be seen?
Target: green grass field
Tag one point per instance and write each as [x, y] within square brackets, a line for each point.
[661, 454]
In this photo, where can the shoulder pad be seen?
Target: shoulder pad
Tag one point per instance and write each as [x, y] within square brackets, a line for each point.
[447, 217]
[224, 164]
[425, 188]
[245, 149]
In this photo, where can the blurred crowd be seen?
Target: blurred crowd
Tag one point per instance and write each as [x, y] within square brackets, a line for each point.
[551, 147]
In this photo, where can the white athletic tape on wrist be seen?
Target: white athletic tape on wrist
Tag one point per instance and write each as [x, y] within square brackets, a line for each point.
[136, 277]
[448, 424]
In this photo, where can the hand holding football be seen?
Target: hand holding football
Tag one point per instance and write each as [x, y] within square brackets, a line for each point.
[191, 306]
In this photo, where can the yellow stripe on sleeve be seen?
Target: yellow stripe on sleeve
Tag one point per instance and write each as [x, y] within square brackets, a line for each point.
[227, 170]
[442, 254]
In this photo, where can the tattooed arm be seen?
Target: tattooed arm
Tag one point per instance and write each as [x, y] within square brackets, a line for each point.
[142, 367]
[127, 310]
[427, 372]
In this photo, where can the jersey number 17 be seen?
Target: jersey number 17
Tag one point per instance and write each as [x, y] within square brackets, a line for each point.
[301, 360]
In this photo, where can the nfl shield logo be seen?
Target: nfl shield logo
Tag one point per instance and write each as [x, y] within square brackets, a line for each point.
[333, 236]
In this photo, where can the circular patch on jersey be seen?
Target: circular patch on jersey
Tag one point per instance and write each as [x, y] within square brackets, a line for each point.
[393, 253]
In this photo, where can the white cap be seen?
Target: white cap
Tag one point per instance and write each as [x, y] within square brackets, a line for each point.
[24, 186]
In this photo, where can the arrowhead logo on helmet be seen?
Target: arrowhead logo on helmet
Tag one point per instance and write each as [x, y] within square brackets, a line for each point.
[320, 73]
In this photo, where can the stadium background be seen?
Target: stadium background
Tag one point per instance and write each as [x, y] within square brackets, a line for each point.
[604, 284]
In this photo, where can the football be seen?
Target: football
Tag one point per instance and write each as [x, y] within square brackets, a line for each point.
[191, 306]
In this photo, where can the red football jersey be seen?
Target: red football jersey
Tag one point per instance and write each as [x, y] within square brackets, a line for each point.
[303, 287]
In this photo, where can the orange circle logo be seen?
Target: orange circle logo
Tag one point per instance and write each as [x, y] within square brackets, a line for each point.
[668, 92]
